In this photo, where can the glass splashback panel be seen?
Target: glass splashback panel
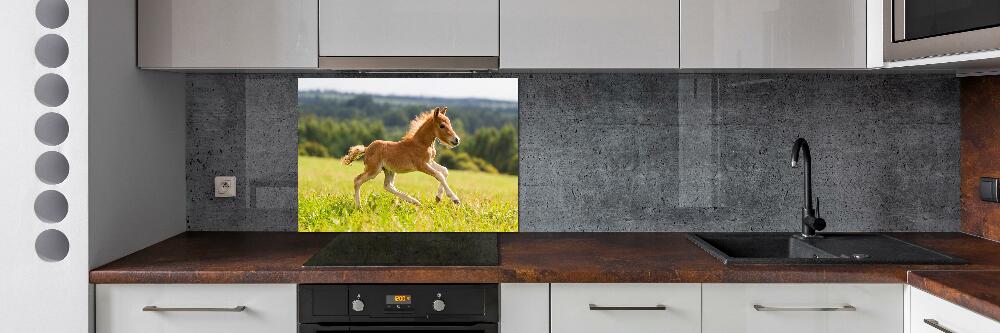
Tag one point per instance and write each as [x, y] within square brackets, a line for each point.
[408, 154]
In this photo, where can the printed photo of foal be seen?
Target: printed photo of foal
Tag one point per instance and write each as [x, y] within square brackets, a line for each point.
[415, 152]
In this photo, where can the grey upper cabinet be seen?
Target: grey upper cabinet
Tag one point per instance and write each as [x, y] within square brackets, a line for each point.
[774, 34]
[401, 34]
[508, 34]
[192, 34]
[581, 34]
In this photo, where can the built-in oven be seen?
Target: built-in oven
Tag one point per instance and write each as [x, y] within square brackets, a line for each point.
[387, 308]
[916, 29]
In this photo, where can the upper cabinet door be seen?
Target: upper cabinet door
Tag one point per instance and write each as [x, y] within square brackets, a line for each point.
[625, 34]
[409, 28]
[227, 34]
[773, 34]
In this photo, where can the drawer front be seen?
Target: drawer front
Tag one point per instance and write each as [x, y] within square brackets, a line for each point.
[796, 308]
[524, 308]
[269, 308]
[407, 28]
[571, 310]
[946, 315]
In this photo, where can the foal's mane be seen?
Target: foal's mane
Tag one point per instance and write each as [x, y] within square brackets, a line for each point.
[418, 121]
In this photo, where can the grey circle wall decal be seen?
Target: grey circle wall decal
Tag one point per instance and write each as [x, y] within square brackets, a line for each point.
[51, 51]
[52, 245]
[51, 90]
[51, 129]
[52, 13]
[51, 206]
[52, 167]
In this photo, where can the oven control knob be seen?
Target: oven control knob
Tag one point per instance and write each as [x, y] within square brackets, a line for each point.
[438, 305]
[358, 305]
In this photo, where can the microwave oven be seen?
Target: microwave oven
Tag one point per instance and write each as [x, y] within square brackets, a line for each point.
[915, 29]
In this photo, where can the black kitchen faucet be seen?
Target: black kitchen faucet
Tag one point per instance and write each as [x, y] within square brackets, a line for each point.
[810, 221]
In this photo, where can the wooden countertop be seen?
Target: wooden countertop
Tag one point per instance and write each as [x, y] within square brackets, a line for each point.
[268, 257]
[974, 290]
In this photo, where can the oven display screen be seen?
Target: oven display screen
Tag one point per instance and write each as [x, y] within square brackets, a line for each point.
[398, 299]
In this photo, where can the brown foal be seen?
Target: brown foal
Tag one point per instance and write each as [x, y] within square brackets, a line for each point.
[415, 152]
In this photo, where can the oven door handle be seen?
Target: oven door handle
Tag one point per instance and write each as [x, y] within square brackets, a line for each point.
[485, 328]
[310, 328]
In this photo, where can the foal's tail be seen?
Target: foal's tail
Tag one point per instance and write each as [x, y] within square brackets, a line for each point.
[353, 154]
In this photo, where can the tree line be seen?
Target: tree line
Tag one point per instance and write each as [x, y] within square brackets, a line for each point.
[331, 122]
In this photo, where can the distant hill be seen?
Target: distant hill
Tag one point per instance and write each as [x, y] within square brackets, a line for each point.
[420, 100]
[396, 111]
[331, 121]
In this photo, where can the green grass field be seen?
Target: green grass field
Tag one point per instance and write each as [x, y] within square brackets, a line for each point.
[326, 201]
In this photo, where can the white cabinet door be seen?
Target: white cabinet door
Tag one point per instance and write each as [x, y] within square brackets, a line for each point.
[589, 34]
[227, 33]
[773, 34]
[625, 308]
[270, 308]
[524, 308]
[777, 308]
[928, 311]
[409, 28]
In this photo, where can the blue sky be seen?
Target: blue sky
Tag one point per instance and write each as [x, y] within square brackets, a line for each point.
[491, 88]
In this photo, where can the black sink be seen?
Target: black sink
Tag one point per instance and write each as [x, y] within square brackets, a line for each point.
[834, 248]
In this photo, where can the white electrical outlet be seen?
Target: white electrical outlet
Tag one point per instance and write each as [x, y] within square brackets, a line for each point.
[225, 187]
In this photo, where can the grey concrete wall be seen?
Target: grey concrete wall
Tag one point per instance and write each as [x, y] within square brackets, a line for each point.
[641, 152]
[243, 126]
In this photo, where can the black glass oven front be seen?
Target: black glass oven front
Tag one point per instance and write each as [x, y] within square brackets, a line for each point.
[385, 308]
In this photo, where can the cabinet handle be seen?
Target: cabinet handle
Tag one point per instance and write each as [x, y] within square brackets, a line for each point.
[159, 309]
[935, 324]
[657, 307]
[848, 307]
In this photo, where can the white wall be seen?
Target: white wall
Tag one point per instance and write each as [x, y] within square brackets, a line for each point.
[136, 143]
[137, 186]
[38, 295]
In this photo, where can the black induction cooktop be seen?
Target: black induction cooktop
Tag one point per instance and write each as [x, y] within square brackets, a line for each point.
[408, 249]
